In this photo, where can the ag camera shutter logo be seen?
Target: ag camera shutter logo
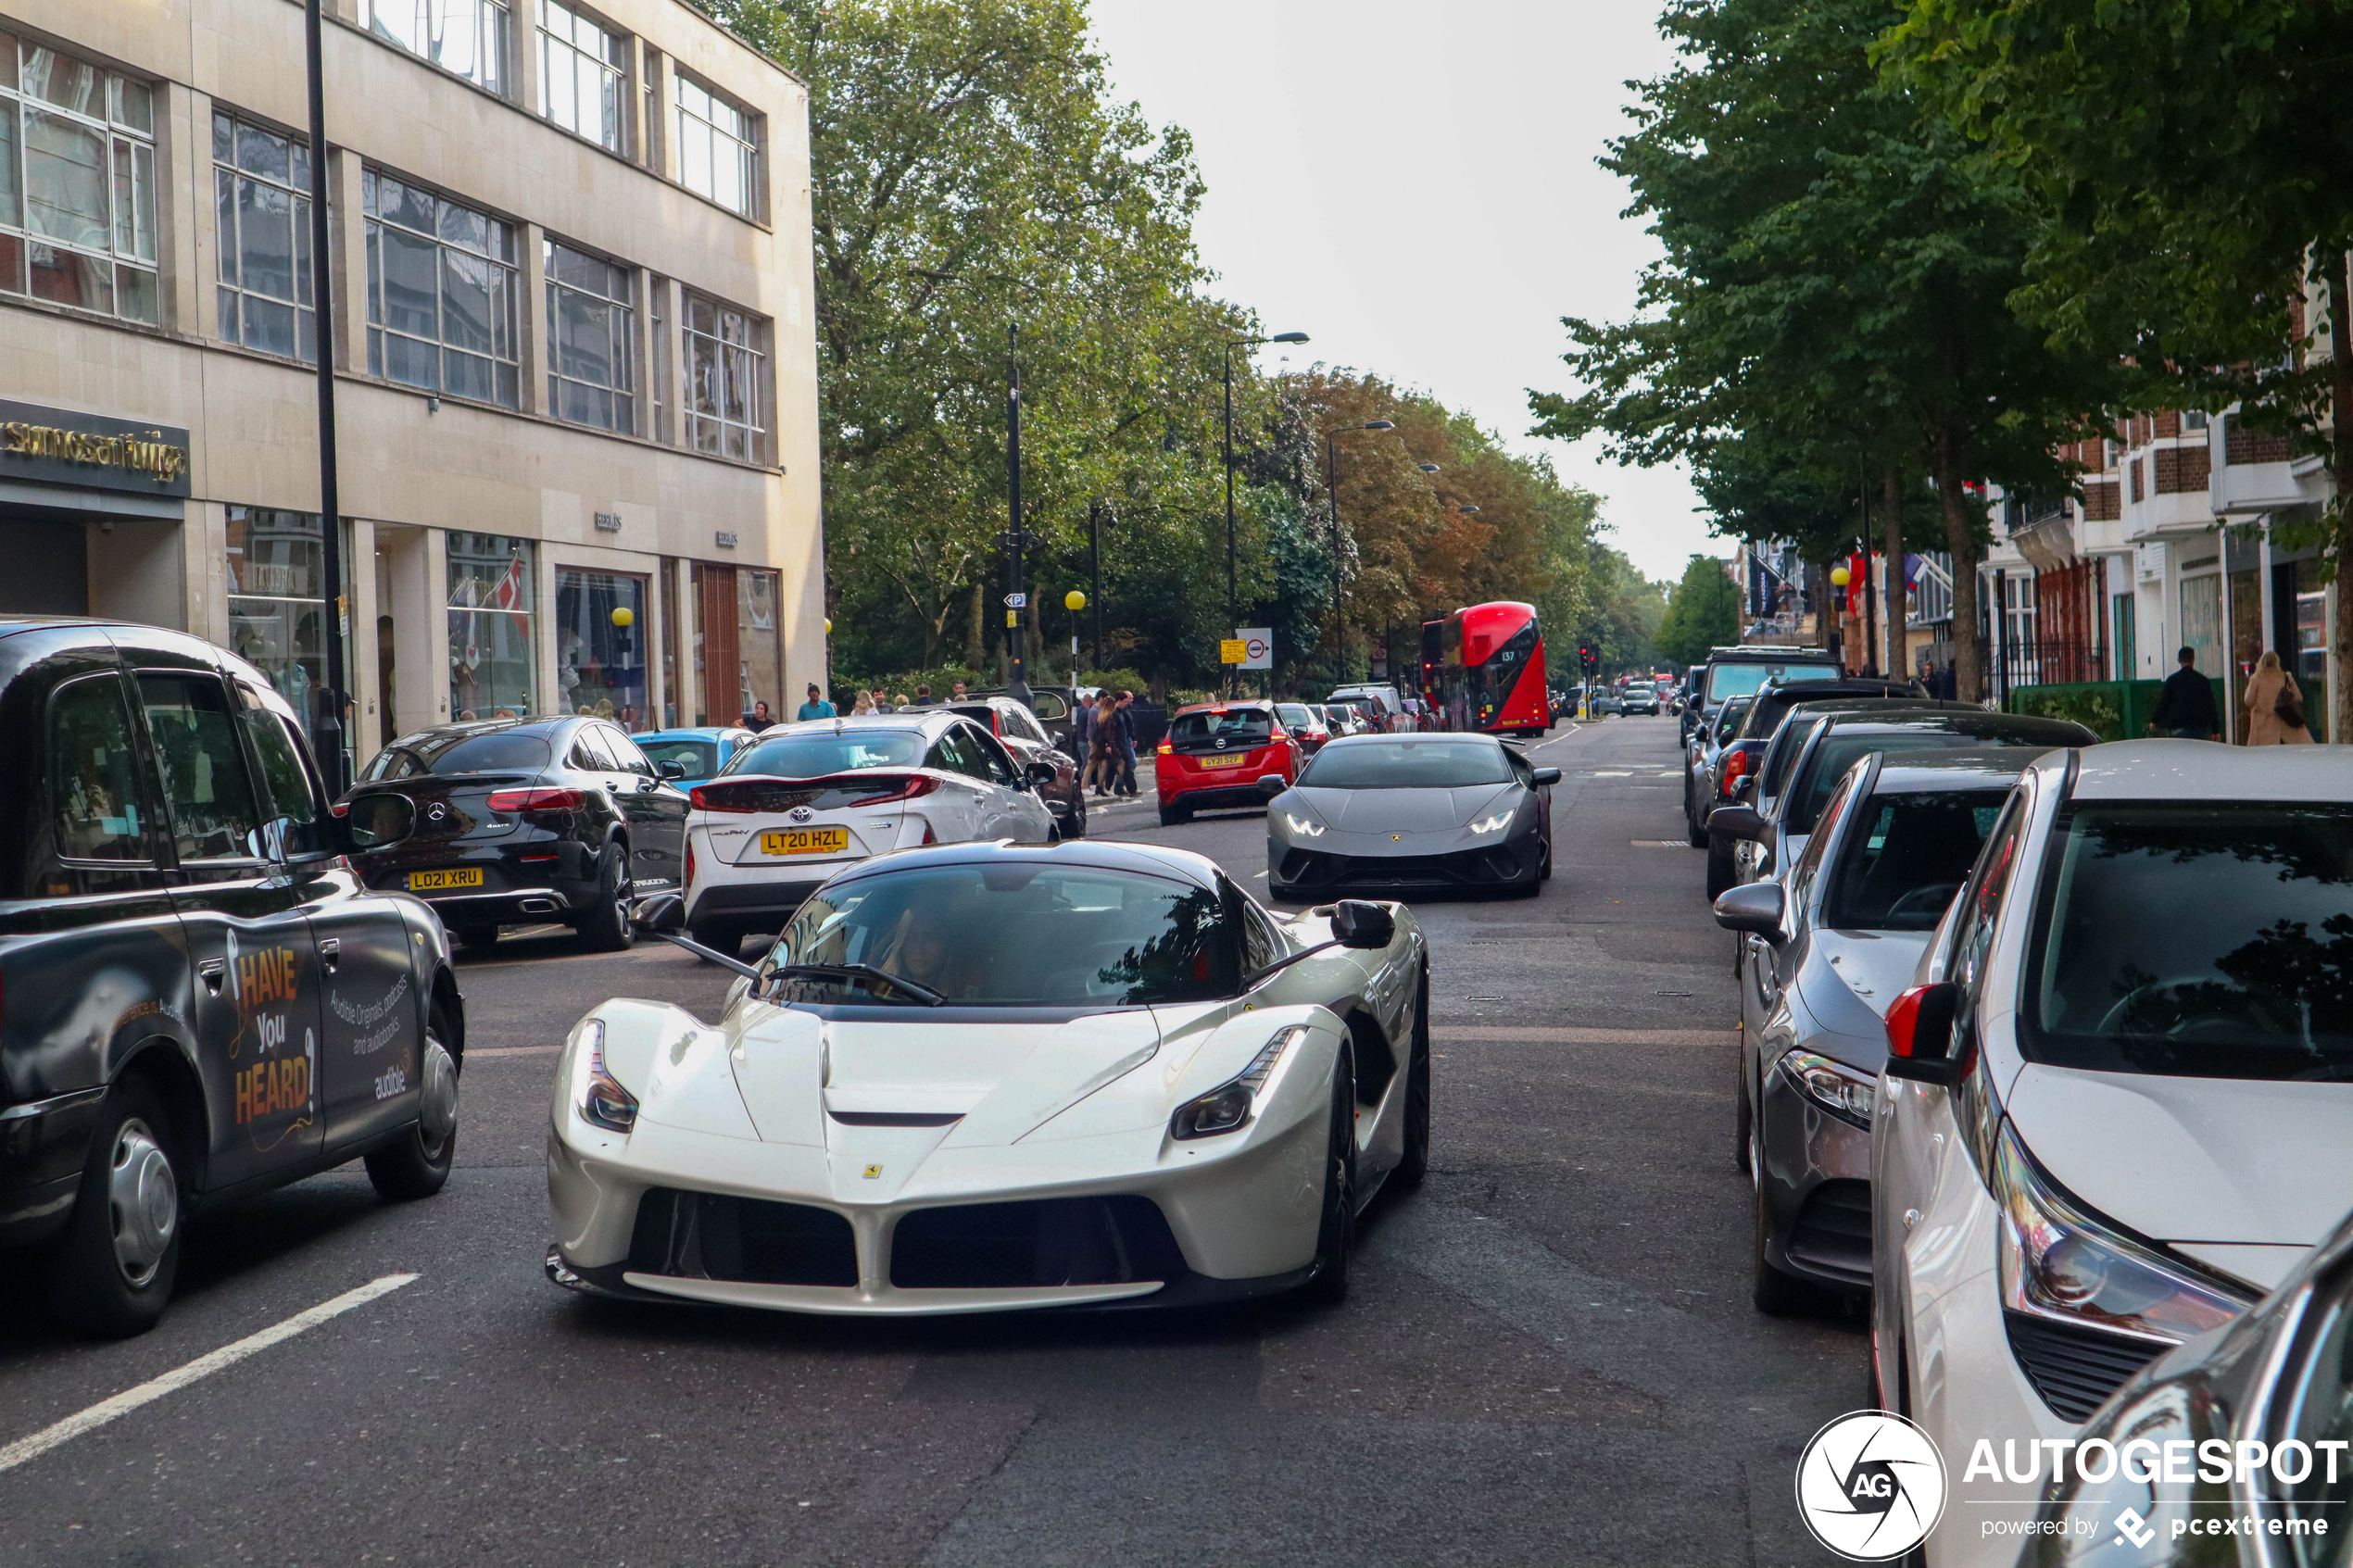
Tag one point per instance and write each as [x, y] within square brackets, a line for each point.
[1870, 1485]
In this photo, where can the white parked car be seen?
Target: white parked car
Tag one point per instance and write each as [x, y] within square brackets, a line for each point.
[2118, 1106]
[986, 1076]
[812, 797]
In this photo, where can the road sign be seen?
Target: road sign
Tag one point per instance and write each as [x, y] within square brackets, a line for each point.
[1016, 601]
[1232, 650]
[1258, 647]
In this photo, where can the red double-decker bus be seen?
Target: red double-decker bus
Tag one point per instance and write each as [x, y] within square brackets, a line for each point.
[1488, 673]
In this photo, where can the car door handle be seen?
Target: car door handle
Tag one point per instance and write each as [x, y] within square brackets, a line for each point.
[331, 953]
[213, 972]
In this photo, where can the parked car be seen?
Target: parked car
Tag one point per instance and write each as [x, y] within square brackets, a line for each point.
[1699, 765]
[1406, 814]
[1733, 771]
[814, 797]
[530, 819]
[1025, 735]
[1383, 703]
[1823, 952]
[1306, 723]
[1343, 719]
[1754, 857]
[700, 750]
[2118, 1096]
[1739, 672]
[1050, 708]
[202, 1000]
[1214, 755]
[1418, 715]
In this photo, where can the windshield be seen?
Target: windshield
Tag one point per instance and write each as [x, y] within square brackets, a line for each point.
[499, 751]
[1407, 764]
[815, 755]
[1906, 855]
[1295, 714]
[699, 757]
[1841, 750]
[1222, 729]
[2211, 941]
[1742, 679]
[1012, 934]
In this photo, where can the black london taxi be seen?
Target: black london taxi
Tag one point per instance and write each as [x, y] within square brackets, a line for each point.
[200, 999]
[528, 820]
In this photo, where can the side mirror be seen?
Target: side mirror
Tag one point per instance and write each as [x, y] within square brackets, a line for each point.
[1547, 777]
[1738, 821]
[1919, 1034]
[1039, 774]
[378, 821]
[1271, 786]
[1359, 923]
[1759, 908]
[660, 914]
[673, 770]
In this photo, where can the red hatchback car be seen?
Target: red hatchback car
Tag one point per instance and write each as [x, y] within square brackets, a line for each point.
[1216, 752]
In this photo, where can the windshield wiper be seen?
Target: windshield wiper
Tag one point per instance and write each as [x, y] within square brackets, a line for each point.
[921, 993]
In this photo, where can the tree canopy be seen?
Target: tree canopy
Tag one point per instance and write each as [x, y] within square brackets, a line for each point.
[1703, 613]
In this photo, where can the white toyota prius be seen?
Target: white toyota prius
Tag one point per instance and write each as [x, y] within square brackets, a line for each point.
[2118, 1106]
[986, 1076]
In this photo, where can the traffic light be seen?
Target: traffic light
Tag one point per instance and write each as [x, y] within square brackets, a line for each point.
[1590, 658]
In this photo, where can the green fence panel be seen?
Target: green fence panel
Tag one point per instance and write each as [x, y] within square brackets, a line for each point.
[2111, 710]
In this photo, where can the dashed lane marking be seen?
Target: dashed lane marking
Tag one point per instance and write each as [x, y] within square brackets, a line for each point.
[1658, 844]
[105, 1410]
[511, 1050]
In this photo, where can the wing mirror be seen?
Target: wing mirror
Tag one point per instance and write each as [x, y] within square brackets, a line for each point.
[1739, 822]
[1919, 1034]
[377, 822]
[1358, 922]
[1547, 777]
[1038, 775]
[1271, 786]
[658, 916]
[1759, 908]
[673, 770]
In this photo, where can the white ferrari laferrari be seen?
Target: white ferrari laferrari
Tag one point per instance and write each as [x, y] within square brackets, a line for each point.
[985, 1076]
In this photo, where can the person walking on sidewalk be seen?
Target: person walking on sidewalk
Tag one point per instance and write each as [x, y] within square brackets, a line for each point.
[1103, 743]
[1123, 720]
[2275, 706]
[2185, 704]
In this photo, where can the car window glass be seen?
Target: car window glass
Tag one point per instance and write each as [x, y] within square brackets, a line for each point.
[696, 756]
[589, 751]
[1050, 706]
[995, 765]
[463, 751]
[93, 772]
[1416, 762]
[1221, 728]
[1740, 679]
[290, 797]
[1982, 897]
[814, 754]
[205, 788]
[1801, 876]
[1906, 855]
[1261, 947]
[624, 752]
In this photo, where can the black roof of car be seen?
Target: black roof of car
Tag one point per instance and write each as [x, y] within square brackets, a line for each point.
[1962, 718]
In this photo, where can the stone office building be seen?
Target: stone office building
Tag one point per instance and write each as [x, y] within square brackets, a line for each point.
[572, 322]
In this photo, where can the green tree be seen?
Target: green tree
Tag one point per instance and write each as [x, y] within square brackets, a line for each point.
[1703, 613]
[2191, 160]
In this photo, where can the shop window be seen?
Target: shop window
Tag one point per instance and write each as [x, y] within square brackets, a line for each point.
[723, 379]
[277, 604]
[466, 38]
[493, 589]
[601, 645]
[589, 320]
[442, 287]
[718, 148]
[739, 651]
[262, 184]
[759, 648]
[583, 75]
[2311, 666]
[77, 184]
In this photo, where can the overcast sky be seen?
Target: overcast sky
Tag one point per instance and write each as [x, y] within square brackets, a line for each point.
[1413, 186]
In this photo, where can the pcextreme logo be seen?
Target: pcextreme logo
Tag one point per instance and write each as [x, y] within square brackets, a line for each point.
[1870, 1485]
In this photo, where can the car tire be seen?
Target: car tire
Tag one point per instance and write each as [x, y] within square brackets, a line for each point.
[604, 925]
[111, 1272]
[1336, 1231]
[1172, 816]
[416, 1163]
[1414, 1165]
[475, 938]
[1547, 872]
[1721, 872]
[1776, 1293]
[1694, 831]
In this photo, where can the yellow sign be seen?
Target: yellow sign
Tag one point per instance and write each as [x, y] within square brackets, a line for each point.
[1012, 618]
[1232, 650]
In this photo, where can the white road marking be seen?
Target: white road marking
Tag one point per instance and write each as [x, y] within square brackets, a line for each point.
[1556, 739]
[1256, 876]
[511, 1050]
[105, 1410]
[1613, 773]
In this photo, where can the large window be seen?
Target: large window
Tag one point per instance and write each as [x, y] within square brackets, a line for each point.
[601, 645]
[723, 381]
[583, 75]
[493, 587]
[589, 322]
[718, 153]
[262, 183]
[468, 37]
[441, 293]
[77, 184]
[277, 603]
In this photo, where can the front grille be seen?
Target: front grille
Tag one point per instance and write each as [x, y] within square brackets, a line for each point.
[1833, 1230]
[1476, 867]
[1045, 1242]
[704, 1236]
[2074, 1369]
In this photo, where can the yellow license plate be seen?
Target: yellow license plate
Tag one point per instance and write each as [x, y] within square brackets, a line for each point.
[433, 881]
[1234, 761]
[805, 841]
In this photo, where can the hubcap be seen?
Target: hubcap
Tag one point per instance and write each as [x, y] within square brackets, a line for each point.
[437, 1106]
[143, 1201]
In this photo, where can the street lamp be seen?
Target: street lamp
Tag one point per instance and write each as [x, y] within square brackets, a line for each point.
[1331, 489]
[1233, 604]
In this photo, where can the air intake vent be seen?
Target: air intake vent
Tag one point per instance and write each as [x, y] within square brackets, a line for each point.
[1833, 1231]
[704, 1236]
[1048, 1242]
[2075, 1369]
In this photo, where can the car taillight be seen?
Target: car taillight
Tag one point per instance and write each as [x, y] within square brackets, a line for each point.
[1164, 748]
[1735, 765]
[907, 788]
[537, 800]
[690, 861]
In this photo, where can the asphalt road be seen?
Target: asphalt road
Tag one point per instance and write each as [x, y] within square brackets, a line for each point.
[1548, 1357]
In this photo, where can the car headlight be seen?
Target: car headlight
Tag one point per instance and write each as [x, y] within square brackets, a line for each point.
[1496, 823]
[1836, 1087]
[1228, 1106]
[2059, 1262]
[1306, 827]
[603, 1102]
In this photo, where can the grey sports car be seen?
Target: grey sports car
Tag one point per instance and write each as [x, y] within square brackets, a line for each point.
[1410, 813]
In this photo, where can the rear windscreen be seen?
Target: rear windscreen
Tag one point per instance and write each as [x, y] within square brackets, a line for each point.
[807, 755]
[1232, 729]
[502, 751]
[1740, 680]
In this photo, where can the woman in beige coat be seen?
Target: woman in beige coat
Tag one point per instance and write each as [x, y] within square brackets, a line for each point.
[2264, 725]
